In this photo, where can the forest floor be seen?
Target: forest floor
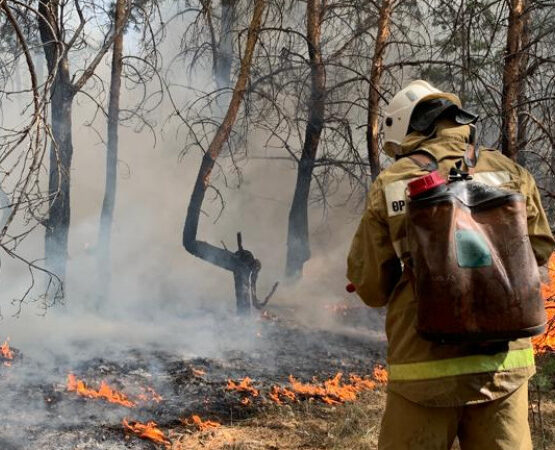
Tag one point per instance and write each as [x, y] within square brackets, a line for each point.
[315, 426]
[308, 425]
[42, 409]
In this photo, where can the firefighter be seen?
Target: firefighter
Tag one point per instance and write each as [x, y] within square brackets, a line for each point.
[436, 391]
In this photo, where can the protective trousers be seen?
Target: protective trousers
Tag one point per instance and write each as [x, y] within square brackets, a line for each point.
[501, 424]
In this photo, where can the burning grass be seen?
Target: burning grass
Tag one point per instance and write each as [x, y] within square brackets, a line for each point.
[149, 431]
[546, 342]
[111, 395]
[201, 425]
[198, 372]
[333, 391]
[245, 385]
[310, 425]
[342, 411]
[104, 392]
[6, 353]
[380, 374]
[280, 394]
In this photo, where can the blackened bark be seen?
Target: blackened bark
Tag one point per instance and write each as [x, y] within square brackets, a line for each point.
[298, 245]
[513, 77]
[107, 213]
[376, 71]
[234, 262]
[63, 91]
[220, 257]
[61, 153]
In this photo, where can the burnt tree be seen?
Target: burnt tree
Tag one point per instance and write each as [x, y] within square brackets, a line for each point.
[298, 246]
[242, 263]
[56, 49]
[376, 71]
[107, 212]
[23, 150]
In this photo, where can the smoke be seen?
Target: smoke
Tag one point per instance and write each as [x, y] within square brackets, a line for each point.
[161, 296]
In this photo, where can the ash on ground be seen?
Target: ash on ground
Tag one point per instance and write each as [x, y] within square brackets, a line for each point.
[39, 412]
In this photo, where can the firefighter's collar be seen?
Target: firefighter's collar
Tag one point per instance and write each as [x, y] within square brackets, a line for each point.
[444, 132]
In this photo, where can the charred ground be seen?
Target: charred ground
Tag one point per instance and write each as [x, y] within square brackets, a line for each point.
[39, 412]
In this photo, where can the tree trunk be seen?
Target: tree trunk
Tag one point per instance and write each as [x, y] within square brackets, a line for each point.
[298, 246]
[522, 94]
[376, 71]
[107, 213]
[513, 77]
[52, 31]
[225, 46]
[61, 152]
[234, 262]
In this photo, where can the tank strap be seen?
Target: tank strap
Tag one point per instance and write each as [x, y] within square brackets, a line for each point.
[423, 159]
[513, 359]
[472, 152]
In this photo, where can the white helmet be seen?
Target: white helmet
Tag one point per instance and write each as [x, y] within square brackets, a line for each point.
[398, 112]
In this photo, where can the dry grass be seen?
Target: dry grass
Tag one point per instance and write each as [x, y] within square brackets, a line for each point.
[312, 426]
[542, 422]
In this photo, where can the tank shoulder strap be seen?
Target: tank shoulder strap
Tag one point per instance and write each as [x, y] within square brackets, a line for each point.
[423, 159]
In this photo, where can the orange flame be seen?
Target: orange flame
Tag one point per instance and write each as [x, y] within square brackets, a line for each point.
[198, 372]
[245, 385]
[362, 384]
[105, 392]
[333, 391]
[548, 290]
[546, 342]
[6, 352]
[274, 395]
[380, 374]
[202, 425]
[278, 394]
[148, 431]
[245, 401]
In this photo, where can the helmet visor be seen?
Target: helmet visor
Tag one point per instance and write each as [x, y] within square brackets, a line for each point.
[426, 113]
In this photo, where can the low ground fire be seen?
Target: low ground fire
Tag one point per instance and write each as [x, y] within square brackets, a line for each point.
[6, 354]
[147, 397]
[546, 342]
[104, 392]
[141, 397]
[148, 431]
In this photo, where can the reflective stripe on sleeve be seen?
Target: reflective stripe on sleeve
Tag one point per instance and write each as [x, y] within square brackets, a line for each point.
[513, 359]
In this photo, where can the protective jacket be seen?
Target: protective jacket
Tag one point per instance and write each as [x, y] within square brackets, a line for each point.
[425, 372]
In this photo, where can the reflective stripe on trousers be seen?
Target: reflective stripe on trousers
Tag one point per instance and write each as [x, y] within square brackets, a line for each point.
[427, 370]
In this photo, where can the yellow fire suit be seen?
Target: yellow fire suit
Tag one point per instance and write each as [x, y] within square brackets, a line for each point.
[427, 374]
